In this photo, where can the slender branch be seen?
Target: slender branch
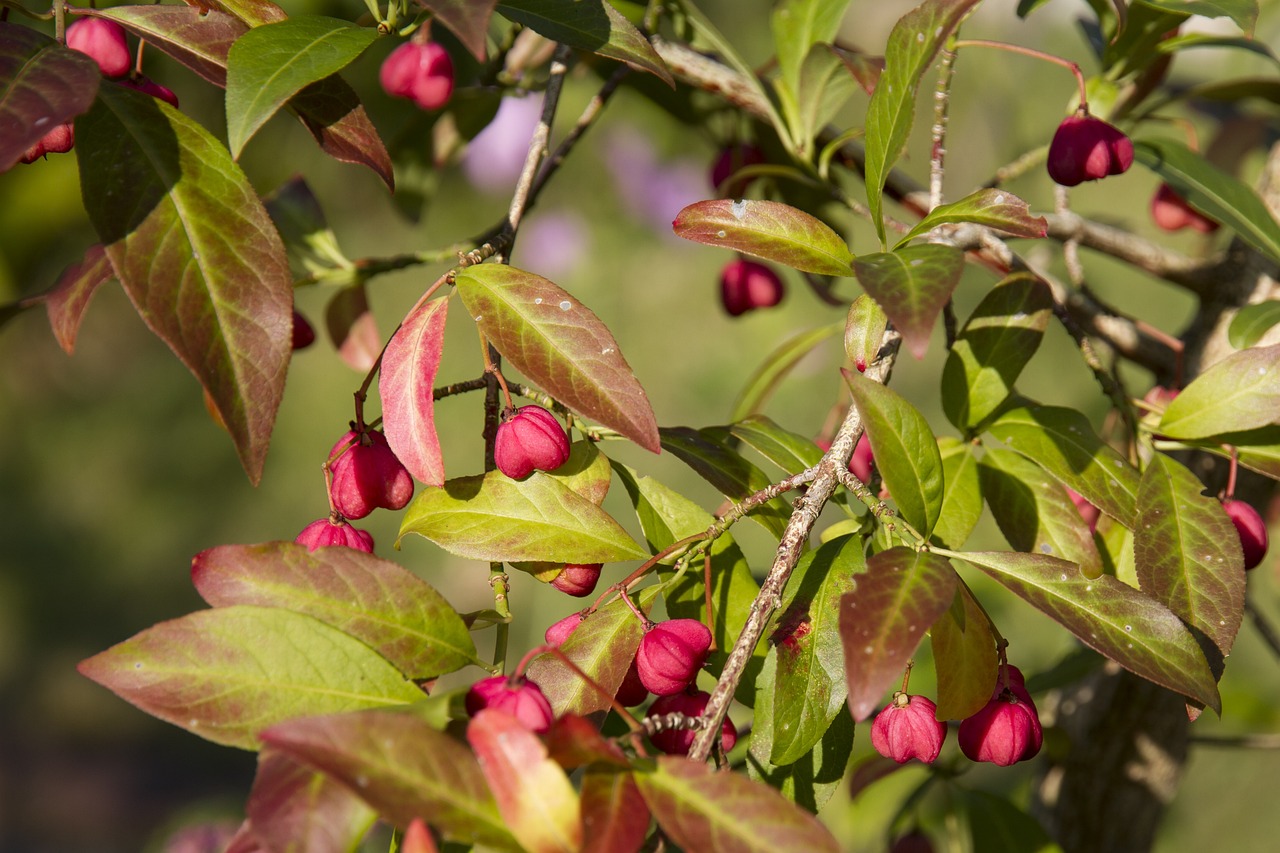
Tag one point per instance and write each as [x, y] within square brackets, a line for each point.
[588, 117]
[1265, 629]
[1198, 276]
[738, 510]
[941, 101]
[458, 388]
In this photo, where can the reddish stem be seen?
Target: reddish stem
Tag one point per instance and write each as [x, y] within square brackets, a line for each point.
[1073, 67]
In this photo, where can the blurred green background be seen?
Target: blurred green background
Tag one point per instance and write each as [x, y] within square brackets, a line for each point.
[113, 476]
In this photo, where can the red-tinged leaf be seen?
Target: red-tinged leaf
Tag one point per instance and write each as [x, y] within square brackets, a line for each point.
[912, 285]
[574, 741]
[353, 329]
[1108, 616]
[1187, 554]
[401, 766]
[331, 111]
[1063, 443]
[964, 655]
[196, 252]
[253, 12]
[701, 809]
[560, 345]
[1241, 392]
[726, 469]
[602, 646]
[292, 807]
[535, 799]
[1034, 512]
[865, 69]
[197, 38]
[244, 841]
[538, 519]
[895, 601]
[468, 19]
[69, 298]
[905, 450]
[229, 673]
[767, 229]
[615, 818]
[377, 601]
[42, 85]
[405, 383]
[592, 25]
[913, 43]
[998, 209]
[417, 838]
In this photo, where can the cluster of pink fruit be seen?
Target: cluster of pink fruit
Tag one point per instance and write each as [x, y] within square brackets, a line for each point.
[420, 71]
[106, 43]
[1005, 731]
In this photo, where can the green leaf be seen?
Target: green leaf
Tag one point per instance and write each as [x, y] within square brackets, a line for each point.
[1252, 322]
[1188, 556]
[1034, 512]
[912, 285]
[1108, 616]
[791, 452]
[534, 796]
[1062, 442]
[1243, 12]
[252, 12]
[724, 468]
[809, 686]
[776, 366]
[42, 85]
[998, 826]
[406, 379]
[1257, 449]
[810, 781]
[906, 452]
[766, 229]
[914, 42]
[964, 656]
[559, 344]
[1187, 41]
[826, 84]
[468, 19]
[1240, 392]
[403, 767]
[592, 25]
[497, 519]
[376, 601]
[895, 601]
[864, 331]
[998, 209]
[196, 252]
[292, 806]
[270, 64]
[67, 301]
[603, 646]
[701, 809]
[1214, 193]
[229, 673]
[586, 471]
[797, 26]
[198, 38]
[301, 222]
[1000, 337]
[962, 497]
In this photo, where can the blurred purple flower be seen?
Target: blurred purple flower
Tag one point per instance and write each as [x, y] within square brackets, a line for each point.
[653, 191]
[493, 160]
[552, 244]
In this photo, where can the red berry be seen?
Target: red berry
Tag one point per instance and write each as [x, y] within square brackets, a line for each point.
[325, 533]
[631, 691]
[907, 728]
[150, 87]
[303, 334]
[1172, 212]
[577, 579]
[690, 703]
[423, 73]
[1088, 511]
[1007, 729]
[730, 159]
[1085, 149]
[560, 631]
[670, 655]
[368, 475]
[861, 461]
[529, 439]
[519, 697]
[104, 41]
[745, 285]
[1252, 530]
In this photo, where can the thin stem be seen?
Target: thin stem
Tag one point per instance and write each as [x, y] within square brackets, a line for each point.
[491, 368]
[1265, 629]
[1036, 54]
[644, 569]
[1231, 471]
[500, 583]
[941, 101]
[458, 388]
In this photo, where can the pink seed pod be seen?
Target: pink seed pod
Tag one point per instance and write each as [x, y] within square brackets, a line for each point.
[560, 631]
[578, 579]
[671, 654]
[914, 841]
[1085, 148]
[303, 334]
[1088, 511]
[730, 159]
[60, 140]
[368, 475]
[907, 728]
[104, 41]
[1007, 729]
[1171, 212]
[691, 703]
[423, 73]
[519, 697]
[324, 533]
[746, 285]
[632, 690]
[147, 86]
[529, 439]
[861, 461]
[1252, 530]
